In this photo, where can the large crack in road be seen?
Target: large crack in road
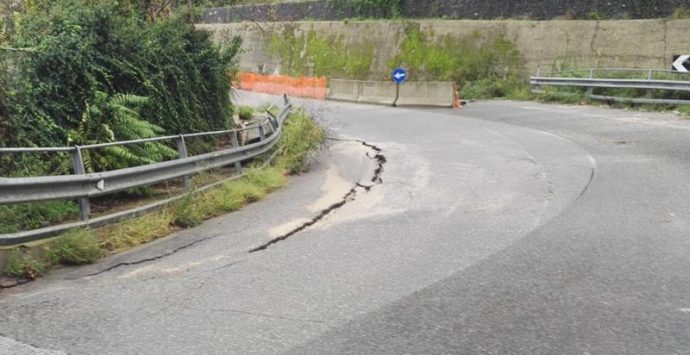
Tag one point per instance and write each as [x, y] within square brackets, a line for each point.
[374, 154]
[376, 179]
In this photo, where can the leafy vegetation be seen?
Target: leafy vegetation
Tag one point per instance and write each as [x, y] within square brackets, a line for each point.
[78, 72]
[300, 137]
[327, 55]
[245, 113]
[101, 69]
[484, 65]
[113, 118]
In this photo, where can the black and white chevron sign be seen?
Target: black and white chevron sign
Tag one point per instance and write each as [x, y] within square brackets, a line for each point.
[681, 63]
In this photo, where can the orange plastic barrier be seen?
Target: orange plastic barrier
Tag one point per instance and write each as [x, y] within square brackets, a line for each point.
[308, 87]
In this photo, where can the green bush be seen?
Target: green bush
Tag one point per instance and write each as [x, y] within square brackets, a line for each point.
[246, 113]
[73, 52]
[76, 247]
[93, 71]
[301, 136]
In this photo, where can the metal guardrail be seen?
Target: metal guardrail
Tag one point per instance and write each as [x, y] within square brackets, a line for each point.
[81, 186]
[651, 82]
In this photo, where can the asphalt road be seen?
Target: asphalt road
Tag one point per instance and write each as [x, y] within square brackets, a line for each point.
[500, 228]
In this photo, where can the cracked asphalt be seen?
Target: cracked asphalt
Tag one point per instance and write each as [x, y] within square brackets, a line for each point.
[500, 228]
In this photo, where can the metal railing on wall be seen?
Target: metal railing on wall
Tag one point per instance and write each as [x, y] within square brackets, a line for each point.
[648, 80]
[82, 186]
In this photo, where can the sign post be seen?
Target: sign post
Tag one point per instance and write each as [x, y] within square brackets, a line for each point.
[681, 63]
[398, 76]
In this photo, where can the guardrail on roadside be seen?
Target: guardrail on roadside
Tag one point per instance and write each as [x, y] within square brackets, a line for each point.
[651, 81]
[81, 185]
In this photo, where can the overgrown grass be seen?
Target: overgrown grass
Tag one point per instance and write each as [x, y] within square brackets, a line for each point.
[24, 263]
[77, 247]
[684, 110]
[132, 233]
[301, 136]
[257, 183]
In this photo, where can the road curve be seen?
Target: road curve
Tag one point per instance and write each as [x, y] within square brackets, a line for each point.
[503, 227]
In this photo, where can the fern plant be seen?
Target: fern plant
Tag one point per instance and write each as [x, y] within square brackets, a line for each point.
[116, 118]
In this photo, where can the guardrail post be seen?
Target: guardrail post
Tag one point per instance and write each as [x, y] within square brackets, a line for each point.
[78, 165]
[590, 90]
[182, 153]
[262, 134]
[234, 138]
[650, 76]
[272, 118]
[274, 123]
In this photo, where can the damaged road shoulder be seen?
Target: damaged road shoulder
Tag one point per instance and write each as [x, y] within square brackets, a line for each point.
[375, 154]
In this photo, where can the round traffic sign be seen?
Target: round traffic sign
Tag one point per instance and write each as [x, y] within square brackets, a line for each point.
[399, 75]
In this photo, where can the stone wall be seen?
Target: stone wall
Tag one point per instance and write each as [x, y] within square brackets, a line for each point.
[541, 9]
[452, 9]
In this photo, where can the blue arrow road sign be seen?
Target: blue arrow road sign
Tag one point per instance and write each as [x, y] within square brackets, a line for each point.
[399, 75]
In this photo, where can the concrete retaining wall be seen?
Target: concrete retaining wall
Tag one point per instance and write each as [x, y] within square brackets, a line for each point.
[375, 92]
[383, 92]
[624, 43]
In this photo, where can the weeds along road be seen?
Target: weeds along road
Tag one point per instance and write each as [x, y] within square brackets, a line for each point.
[504, 227]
